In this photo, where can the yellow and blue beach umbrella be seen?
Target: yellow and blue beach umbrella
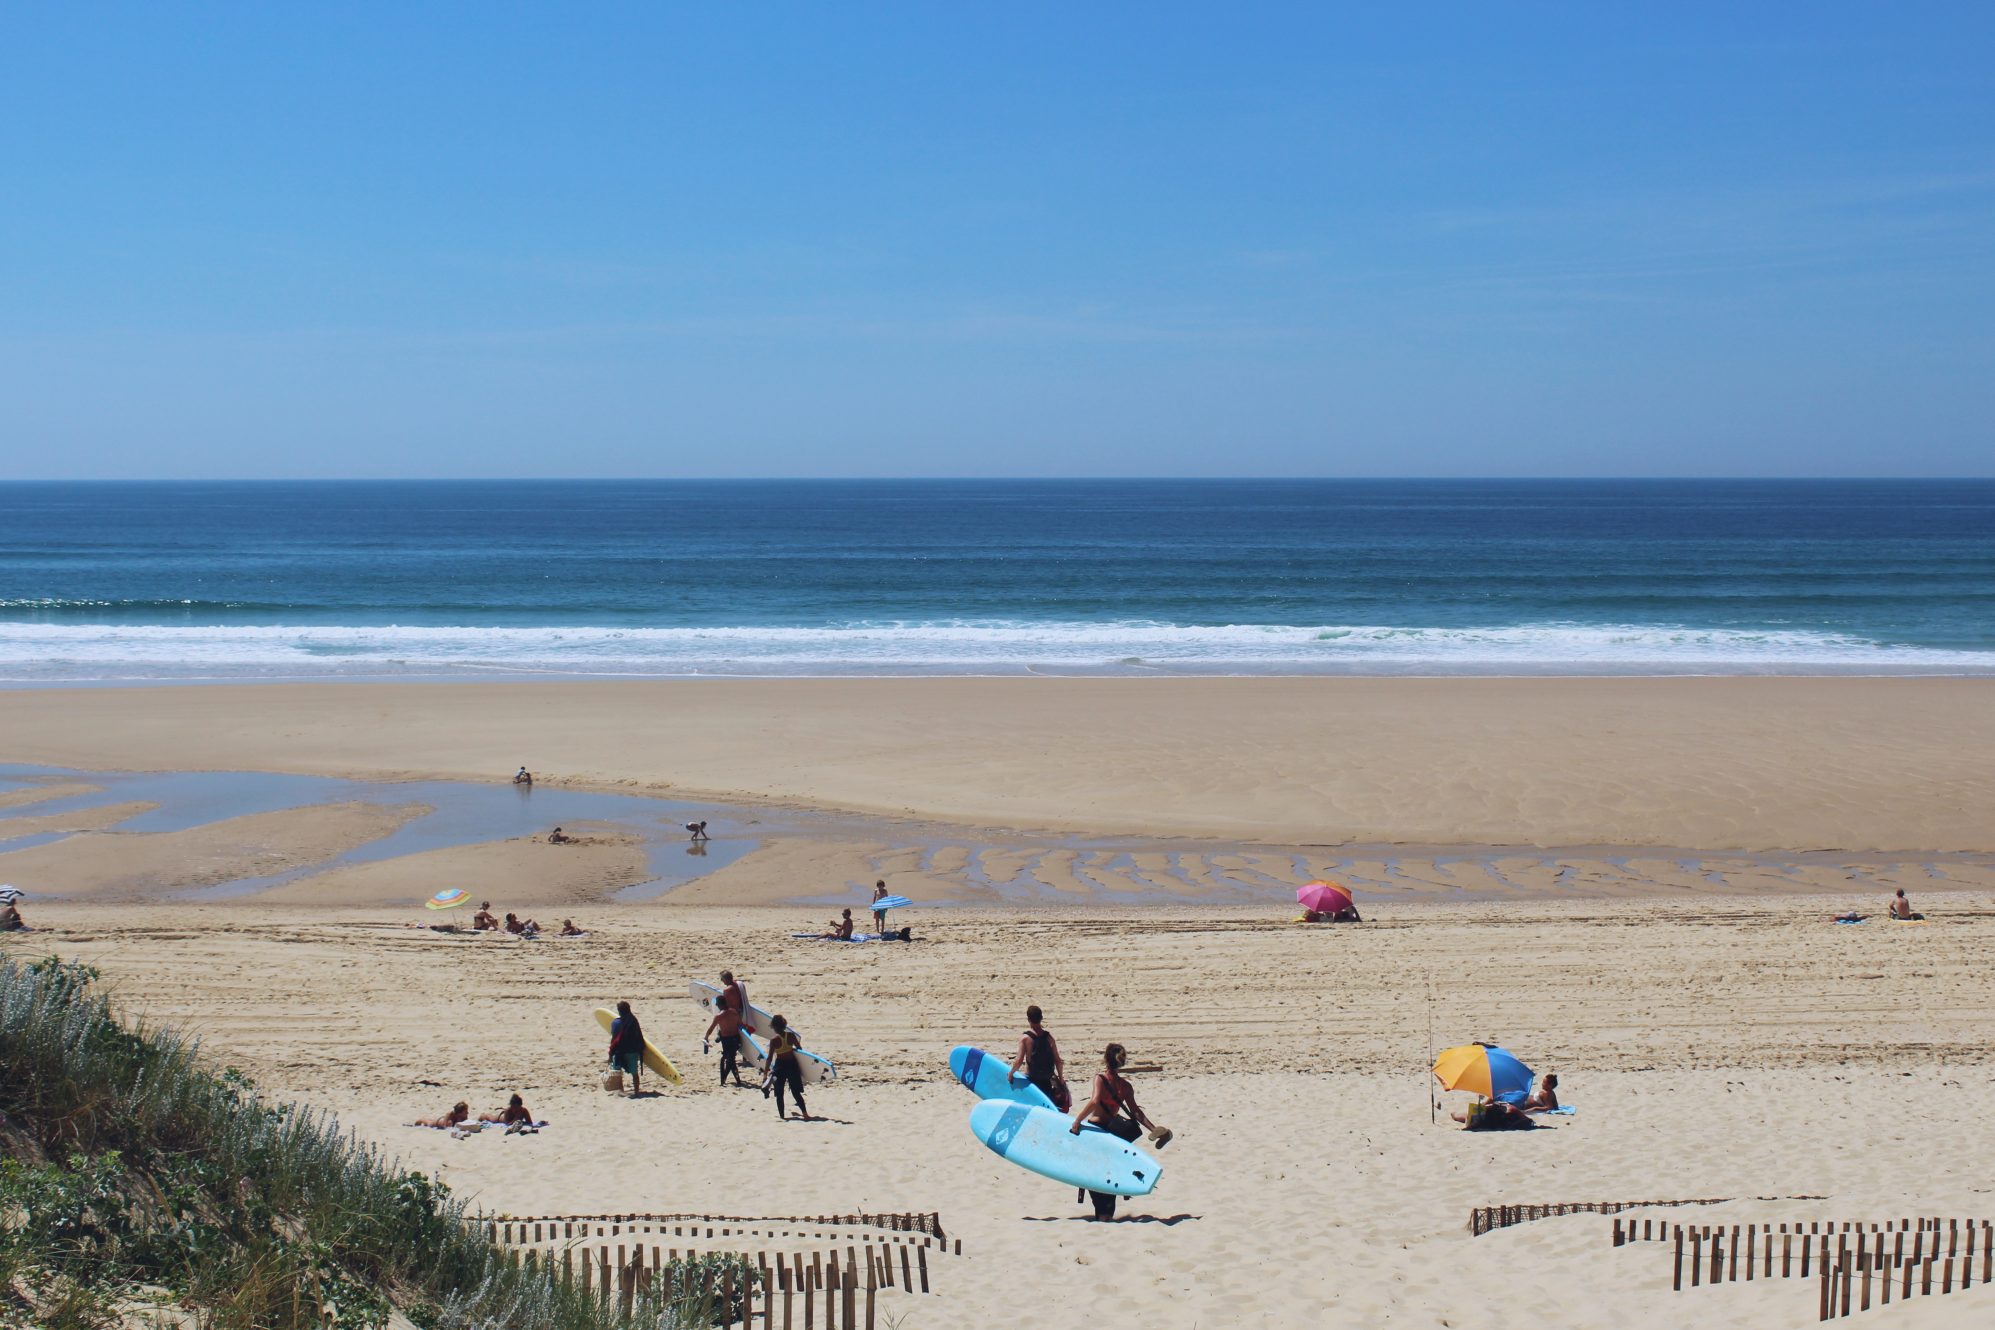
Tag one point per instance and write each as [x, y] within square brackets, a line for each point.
[448, 897]
[1484, 1069]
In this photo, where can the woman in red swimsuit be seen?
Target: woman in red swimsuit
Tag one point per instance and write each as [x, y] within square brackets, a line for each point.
[1112, 1107]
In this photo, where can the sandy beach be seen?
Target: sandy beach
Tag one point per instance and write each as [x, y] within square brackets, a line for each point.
[1627, 881]
[1714, 763]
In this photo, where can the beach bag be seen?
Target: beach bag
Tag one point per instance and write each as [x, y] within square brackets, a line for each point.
[613, 1080]
[1061, 1097]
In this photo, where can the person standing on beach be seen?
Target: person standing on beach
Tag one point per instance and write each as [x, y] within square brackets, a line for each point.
[627, 1046]
[1039, 1054]
[726, 1024]
[785, 1067]
[880, 916]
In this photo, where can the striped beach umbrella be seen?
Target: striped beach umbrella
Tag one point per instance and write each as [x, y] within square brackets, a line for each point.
[1484, 1069]
[889, 903]
[447, 898]
[8, 895]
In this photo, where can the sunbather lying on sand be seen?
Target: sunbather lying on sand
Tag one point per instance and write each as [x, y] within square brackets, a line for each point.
[514, 1111]
[521, 927]
[568, 929]
[455, 1117]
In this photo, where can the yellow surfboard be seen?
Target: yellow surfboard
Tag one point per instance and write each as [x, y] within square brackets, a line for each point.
[653, 1059]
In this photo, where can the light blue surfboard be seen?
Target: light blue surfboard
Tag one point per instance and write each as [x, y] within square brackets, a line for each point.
[1042, 1141]
[988, 1076]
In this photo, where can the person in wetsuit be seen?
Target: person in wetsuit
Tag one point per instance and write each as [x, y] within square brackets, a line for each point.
[1112, 1107]
[726, 1025]
[1039, 1054]
[785, 1067]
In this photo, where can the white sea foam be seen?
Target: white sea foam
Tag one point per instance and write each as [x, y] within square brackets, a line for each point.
[32, 651]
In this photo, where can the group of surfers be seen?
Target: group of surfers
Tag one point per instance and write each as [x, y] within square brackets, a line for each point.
[1111, 1103]
[783, 1072]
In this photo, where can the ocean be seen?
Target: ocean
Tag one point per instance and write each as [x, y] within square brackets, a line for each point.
[113, 582]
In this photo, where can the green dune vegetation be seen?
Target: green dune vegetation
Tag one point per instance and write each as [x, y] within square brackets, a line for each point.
[141, 1187]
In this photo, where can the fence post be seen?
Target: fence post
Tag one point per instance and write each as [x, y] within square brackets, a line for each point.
[1677, 1285]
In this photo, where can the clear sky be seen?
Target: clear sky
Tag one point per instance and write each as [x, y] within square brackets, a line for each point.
[942, 239]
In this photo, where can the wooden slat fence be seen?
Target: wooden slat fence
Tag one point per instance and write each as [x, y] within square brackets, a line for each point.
[1855, 1263]
[1489, 1218]
[621, 1256]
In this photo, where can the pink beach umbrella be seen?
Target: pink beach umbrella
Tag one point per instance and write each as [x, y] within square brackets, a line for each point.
[1324, 897]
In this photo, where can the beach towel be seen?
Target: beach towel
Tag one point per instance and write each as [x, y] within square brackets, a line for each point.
[1563, 1110]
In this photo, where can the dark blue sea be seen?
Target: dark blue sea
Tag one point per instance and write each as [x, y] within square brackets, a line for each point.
[103, 582]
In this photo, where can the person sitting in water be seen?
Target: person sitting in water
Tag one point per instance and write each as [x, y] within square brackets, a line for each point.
[559, 837]
[568, 929]
[1544, 1099]
[522, 777]
[514, 1111]
[484, 919]
[1902, 908]
[454, 1118]
[519, 927]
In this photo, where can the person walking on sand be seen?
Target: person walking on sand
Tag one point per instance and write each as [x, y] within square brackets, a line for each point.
[1112, 1107]
[1039, 1054]
[785, 1068]
[734, 994]
[880, 916]
[726, 1026]
[627, 1046]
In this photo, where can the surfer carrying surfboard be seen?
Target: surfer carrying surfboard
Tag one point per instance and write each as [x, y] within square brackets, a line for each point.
[627, 1046]
[726, 1026]
[785, 1068]
[1039, 1053]
[1112, 1107]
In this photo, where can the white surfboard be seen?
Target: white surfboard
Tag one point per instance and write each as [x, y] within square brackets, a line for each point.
[815, 1068]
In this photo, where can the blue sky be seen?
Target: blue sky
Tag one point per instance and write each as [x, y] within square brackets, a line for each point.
[1686, 239]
